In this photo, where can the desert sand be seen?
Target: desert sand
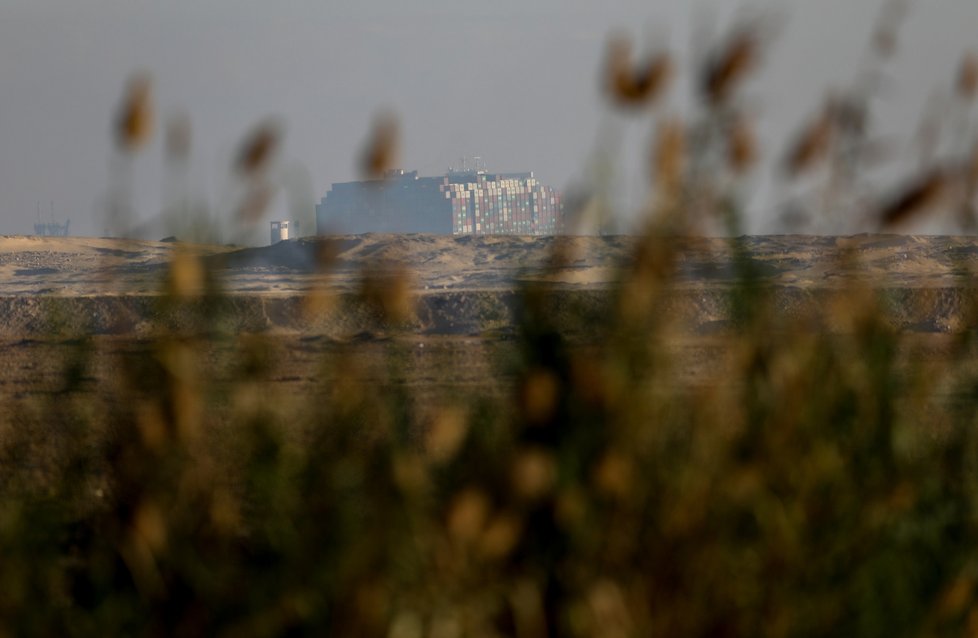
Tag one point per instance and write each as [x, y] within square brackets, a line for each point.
[93, 266]
[463, 285]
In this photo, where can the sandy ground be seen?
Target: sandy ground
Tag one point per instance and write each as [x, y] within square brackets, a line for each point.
[81, 266]
[466, 285]
[91, 266]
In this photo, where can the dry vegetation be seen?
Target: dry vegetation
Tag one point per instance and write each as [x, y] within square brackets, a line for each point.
[822, 482]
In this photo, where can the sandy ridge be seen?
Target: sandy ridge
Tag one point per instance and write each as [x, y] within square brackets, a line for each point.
[465, 285]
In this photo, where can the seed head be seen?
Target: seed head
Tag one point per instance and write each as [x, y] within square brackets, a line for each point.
[468, 514]
[258, 148]
[635, 86]
[186, 275]
[811, 145]
[540, 393]
[729, 65]
[446, 434]
[134, 119]
[380, 153]
[501, 536]
[919, 197]
[533, 473]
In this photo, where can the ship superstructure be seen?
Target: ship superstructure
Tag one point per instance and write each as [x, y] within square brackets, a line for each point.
[462, 202]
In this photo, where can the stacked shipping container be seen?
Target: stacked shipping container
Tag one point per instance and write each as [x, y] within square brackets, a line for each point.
[504, 204]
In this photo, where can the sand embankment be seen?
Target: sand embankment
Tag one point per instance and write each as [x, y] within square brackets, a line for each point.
[470, 285]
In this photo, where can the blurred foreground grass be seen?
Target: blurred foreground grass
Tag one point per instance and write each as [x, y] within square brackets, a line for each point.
[801, 481]
[824, 485]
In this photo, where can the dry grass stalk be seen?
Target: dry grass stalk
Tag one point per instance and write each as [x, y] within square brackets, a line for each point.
[178, 137]
[971, 176]
[186, 275]
[539, 395]
[928, 134]
[669, 154]
[741, 145]
[255, 203]
[134, 119]
[389, 293]
[327, 252]
[967, 84]
[640, 85]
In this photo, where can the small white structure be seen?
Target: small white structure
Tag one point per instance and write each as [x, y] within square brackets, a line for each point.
[282, 230]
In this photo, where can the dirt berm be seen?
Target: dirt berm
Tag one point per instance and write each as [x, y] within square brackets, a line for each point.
[579, 313]
[476, 285]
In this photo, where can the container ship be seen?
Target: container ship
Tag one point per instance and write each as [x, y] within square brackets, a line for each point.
[461, 202]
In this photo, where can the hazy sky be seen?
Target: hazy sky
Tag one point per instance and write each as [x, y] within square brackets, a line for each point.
[515, 82]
